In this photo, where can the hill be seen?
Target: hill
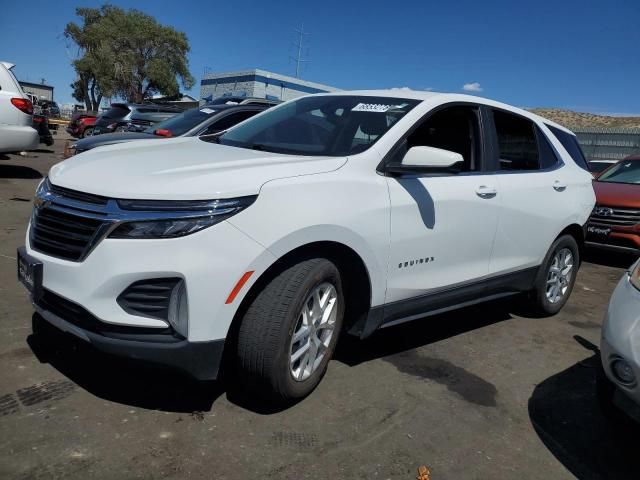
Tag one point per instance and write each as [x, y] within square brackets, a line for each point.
[571, 119]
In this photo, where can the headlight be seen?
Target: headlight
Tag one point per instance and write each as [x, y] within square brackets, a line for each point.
[634, 275]
[176, 219]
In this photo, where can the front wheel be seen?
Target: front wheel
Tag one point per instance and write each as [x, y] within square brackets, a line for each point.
[556, 277]
[290, 330]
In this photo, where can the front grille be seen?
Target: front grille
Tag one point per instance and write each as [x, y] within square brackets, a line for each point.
[615, 216]
[61, 234]
[149, 298]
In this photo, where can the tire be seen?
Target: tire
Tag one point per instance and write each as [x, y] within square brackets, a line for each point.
[87, 132]
[265, 343]
[541, 301]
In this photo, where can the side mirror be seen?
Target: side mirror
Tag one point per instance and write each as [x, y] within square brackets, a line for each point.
[427, 160]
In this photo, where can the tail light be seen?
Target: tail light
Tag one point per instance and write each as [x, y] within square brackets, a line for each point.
[23, 105]
[163, 132]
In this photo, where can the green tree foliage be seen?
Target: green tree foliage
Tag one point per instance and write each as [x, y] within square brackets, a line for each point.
[126, 54]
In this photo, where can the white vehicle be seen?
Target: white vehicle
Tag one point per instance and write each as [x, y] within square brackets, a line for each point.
[344, 212]
[617, 380]
[16, 110]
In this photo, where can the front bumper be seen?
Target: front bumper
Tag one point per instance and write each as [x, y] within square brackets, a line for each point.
[200, 360]
[621, 339]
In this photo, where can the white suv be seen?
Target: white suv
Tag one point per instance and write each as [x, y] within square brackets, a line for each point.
[16, 110]
[344, 212]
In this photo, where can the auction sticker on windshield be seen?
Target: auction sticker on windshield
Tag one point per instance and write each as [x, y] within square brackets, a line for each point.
[371, 107]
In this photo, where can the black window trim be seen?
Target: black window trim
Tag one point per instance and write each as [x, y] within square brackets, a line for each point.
[484, 147]
[492, 136]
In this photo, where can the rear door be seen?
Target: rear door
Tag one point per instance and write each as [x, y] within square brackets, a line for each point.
[535, 192]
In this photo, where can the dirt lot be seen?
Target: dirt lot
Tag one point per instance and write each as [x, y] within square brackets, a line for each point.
[477, 394]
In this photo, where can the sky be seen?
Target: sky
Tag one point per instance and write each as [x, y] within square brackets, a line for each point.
[581, 55]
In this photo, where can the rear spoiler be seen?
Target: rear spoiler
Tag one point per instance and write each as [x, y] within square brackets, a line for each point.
[8, 65]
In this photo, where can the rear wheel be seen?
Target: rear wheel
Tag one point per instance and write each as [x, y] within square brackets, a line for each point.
[87, 132]
[289, 332]
[556, 277]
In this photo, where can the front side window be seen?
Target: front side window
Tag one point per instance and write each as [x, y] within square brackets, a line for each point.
[625, 171]
[333, 125]
[455, 129]
[517, 142]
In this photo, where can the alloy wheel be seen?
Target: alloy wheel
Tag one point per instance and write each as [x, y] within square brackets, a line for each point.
[313, 331]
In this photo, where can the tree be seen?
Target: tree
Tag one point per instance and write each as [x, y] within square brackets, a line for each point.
[127, 54]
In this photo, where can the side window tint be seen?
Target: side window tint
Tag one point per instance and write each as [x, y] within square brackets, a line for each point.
[548, 157]
[516, 142]
[571, 145]
[229, 121]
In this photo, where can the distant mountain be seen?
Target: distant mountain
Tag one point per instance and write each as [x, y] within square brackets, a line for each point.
[570, 119]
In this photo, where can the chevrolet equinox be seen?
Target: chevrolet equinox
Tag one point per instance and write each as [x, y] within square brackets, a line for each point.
[329, 214]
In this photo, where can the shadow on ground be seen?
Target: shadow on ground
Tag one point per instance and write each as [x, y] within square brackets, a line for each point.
[565, 414]
[17, 171]
[118, 380]
[411, 335]
[144, 386]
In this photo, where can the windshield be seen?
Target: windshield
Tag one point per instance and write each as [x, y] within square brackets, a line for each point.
[626, 171]
[184, 122]
[334, 125]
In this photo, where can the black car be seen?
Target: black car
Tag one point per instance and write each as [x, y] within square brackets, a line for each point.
[122, 117]
[204, 121]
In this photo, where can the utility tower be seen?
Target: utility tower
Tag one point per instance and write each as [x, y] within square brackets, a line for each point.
[299, 46]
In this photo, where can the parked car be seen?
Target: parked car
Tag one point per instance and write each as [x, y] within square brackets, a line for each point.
[197, 122]
[49, 108]
[81, 124]
[331, 213]
[16, 114]
[122, 116]
[615, 221]
[597, 166]
[617, 380]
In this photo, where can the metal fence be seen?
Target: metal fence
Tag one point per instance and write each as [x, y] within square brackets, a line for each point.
[608, 143]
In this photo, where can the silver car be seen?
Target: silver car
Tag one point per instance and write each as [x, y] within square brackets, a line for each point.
[619, 386]
[16, 114]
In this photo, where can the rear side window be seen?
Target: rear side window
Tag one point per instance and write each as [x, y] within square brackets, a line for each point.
[571, 145]
[548, 157]
[518, 147]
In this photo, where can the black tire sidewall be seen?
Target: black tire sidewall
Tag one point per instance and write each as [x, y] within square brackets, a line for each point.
[323, 272]
[87, 132]
[542, 302]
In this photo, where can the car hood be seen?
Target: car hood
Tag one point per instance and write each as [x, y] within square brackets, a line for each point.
[617, 194]
[111, 139]
[181, 168]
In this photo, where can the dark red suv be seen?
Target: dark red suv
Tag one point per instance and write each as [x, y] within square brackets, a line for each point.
[615, 221]
[81, 124]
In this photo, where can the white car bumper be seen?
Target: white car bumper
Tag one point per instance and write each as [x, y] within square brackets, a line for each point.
[15, 138]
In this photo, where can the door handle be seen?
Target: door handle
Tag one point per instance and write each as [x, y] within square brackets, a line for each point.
[486, 192]
[559, 186]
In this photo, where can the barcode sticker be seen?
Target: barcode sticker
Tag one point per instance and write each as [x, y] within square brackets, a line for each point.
[371, 107]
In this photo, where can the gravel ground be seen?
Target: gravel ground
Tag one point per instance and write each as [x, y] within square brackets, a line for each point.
[477, 394]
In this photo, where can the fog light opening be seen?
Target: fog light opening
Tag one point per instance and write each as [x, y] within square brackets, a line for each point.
[178, 309]
[622, 371]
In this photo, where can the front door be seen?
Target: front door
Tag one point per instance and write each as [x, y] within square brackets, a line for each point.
[442, 226]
